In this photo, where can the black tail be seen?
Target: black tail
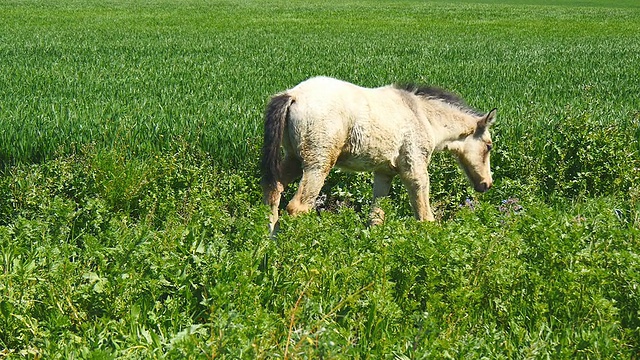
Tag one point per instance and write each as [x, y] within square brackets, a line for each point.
[275, 121]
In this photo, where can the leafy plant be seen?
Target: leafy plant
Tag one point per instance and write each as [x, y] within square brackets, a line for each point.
[131, 222]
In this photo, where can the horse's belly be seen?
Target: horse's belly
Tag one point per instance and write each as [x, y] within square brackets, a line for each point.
[364, 163]
[368, 149]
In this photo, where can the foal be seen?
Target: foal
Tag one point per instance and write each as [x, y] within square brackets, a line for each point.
[391, 130]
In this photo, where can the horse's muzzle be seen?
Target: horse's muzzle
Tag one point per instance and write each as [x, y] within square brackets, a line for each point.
[483, 186]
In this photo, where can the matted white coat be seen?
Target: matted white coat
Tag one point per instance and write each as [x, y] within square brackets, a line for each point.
[391, 130]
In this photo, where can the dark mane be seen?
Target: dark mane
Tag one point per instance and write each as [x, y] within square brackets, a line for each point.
[433, 92]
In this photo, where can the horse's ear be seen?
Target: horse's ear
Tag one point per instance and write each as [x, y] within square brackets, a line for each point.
[488, 119]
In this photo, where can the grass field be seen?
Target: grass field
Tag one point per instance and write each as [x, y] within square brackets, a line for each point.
[131, 223]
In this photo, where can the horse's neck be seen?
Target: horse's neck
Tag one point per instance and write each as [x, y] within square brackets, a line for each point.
[450, 127]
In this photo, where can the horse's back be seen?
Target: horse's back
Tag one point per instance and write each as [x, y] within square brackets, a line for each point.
[325, 109]
[329, 99]
[364, 126]
[324, 94]
[323, 83]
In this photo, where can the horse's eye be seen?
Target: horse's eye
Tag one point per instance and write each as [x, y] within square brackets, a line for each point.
[489, 147]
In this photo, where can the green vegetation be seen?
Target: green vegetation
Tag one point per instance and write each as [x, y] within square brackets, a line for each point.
[131, 223]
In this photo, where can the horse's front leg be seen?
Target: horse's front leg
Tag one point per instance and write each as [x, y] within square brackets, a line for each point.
[416, 179]
[381, 187]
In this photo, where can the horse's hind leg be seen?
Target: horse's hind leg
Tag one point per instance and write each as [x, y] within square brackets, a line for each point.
[309, 188]
[381, 187]
[291, 169]
[271, 197]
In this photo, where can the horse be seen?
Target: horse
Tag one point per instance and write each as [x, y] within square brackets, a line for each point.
[391, 130]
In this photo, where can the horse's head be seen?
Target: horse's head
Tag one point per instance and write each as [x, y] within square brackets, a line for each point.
[473, 152]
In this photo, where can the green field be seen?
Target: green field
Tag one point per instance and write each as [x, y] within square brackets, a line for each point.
[131, 223]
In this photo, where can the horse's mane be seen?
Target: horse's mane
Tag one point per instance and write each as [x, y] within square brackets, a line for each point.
[436, 93]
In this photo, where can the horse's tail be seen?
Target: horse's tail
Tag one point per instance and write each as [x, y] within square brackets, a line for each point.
[275, 121]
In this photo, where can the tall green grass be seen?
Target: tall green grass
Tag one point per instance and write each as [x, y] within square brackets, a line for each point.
[137, 76]
[131, 223]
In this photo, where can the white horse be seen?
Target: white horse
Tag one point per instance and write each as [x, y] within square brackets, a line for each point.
[391, 130]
